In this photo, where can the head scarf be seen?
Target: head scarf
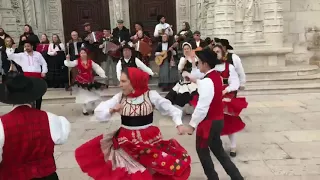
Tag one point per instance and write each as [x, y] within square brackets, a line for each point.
[139, 81]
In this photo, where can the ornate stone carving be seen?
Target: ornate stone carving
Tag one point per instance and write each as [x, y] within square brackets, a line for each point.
[312, 36]
[53, 14]
[117, 4]
[27, 11]
[16, 6]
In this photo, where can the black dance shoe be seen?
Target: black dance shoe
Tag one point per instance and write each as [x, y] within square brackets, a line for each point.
[233, 153]
[85, 113]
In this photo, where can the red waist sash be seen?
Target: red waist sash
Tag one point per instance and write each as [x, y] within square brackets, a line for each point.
[32, 74]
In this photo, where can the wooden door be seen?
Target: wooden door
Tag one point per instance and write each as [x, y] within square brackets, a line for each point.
[146, 11]
[78, 12]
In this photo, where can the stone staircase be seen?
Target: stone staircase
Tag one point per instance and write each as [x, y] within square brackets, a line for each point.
[266, 80]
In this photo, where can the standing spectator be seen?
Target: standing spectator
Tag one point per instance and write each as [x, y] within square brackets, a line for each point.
[3, 36]
[43, 46]
[9, 48]
[29, 36]
[73, 50]
[57, 76]
[121, 33]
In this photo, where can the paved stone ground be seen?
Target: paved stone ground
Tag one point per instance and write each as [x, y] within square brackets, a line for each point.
[281, 140]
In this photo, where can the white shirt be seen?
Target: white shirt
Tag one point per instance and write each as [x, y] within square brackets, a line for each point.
[59, 129]
[52, 50]
[163, 105]
[206, 94]
[95, 67]
[29, 63]
[75, 48]
[9, 51]
[239, 69]
[139, 64]
[161, 26]
[198, 43]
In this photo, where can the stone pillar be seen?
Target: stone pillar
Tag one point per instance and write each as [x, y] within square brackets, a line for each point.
[53, 18]
[210, 18]
[224, 21]
[182, 12]
[119, 9]
[273, 22]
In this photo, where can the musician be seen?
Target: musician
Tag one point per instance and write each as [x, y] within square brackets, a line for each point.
[142, 40]
[121, 33]
[168, 74]
[162, 28]
[90, 43]
[109, 64]
[185, 34]
[128, 60]
[197, 41]
[138, 26]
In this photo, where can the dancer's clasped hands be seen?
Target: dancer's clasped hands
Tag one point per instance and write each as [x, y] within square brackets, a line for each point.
[185, 129]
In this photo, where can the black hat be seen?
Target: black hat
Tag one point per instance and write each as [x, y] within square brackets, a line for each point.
[208, 56]
[139, 23]
[216, 40]
[21, 90]
[159, 17]
[225, 42]
[126, 46]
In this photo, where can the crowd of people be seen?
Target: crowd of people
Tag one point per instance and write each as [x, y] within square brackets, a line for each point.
[202, 78]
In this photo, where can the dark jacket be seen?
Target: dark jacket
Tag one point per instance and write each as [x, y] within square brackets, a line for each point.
[32, 38]
[203, 43]
[71, 50]
[124, 34]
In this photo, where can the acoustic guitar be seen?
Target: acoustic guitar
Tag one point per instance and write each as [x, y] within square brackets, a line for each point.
[164, 54]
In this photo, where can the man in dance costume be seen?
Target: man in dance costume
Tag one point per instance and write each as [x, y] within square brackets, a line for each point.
[28, 135]
[208, 118]
[33, 65]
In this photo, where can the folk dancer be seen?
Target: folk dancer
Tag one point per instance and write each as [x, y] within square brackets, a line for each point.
[235, 60]
[232, 105]
[140, 37]
[111, 57]
[182, 93]
[129, 60]
[28, 135]
[87, 90]
[208, 117]
[162, 28]
[168, 73]
[136, 150]
[32, 64]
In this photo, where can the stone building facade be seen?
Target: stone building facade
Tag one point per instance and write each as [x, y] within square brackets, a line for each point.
[263, 32]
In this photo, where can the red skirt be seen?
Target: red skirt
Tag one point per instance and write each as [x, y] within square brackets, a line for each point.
[232, 124]
[134, 154]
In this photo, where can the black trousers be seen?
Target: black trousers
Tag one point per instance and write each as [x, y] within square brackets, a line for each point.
[215, 145]
[37, 103]
[53, 176]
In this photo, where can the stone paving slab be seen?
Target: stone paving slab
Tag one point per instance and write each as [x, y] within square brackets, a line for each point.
[281, 140]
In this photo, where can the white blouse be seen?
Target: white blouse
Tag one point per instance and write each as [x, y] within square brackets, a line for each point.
[161, 26]
[95, 67]
[183, 62]
[52, 50]
[59, 129]
[233, 80]
[164, 106]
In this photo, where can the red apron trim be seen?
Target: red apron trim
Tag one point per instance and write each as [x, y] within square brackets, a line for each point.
[32, 74]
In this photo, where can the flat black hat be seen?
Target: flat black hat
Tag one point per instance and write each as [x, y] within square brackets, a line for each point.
[208, 56]
[22, 90]
[225, 42]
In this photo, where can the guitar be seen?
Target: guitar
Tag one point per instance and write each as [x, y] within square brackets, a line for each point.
[164, 54]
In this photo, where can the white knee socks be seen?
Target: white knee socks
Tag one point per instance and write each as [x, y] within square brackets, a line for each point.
[233, 143]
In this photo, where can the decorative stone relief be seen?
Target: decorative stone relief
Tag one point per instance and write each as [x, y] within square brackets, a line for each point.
[17, 10]
[312, 36]
[54, 14]
[27, 11]
[117, 5]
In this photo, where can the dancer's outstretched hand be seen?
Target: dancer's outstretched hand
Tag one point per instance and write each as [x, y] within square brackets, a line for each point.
[181, 129]
[189, 130]
[117, 108]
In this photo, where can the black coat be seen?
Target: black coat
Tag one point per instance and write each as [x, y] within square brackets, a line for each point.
[71, 50]
[32, 38]
[124, 34]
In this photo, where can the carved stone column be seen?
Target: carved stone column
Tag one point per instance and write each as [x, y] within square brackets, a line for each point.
[224, 21]
[53, 18]
[273, 22]
[182, 12]
[210, 18]
[119, 9]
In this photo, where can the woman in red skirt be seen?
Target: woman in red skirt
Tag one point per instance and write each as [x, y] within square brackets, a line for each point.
[136, 150]
[233, 105]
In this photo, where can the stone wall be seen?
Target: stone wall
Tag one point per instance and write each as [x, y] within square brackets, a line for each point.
[301, 30]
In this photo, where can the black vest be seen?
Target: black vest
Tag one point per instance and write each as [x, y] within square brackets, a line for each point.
[130, 63]
[229, 58]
